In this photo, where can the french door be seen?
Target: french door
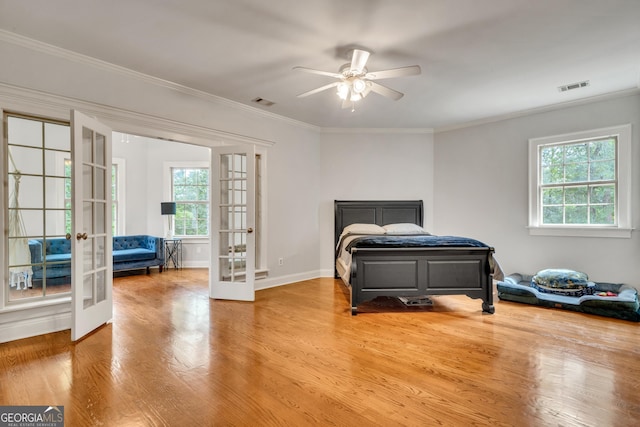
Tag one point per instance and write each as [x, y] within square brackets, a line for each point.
[232, 223]
[91, 236]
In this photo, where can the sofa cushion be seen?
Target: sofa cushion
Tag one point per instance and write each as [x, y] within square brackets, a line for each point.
[58, 246]
[58, 257]
[132, 242]
[135, 254]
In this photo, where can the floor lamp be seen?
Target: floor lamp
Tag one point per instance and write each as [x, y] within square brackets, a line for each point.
[168, 208]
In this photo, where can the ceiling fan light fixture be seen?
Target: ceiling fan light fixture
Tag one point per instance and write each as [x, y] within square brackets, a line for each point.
[359, 85]
[343, 90]
[354, 81]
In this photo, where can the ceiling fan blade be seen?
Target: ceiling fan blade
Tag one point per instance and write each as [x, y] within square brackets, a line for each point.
[411, 70]
[322, 73]
[385, 91]
[358, 61]
[320, 89]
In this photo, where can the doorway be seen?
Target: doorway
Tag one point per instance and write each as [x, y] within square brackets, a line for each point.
[144, 171]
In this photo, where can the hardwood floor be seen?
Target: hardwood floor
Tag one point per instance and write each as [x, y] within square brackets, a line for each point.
[297, 357]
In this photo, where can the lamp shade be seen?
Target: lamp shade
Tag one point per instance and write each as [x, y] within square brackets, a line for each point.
[168, 208]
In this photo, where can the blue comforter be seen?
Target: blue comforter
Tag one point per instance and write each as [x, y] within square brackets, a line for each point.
[413, 241]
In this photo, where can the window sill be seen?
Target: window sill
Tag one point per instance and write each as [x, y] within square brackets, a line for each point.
[614, 232]
[193, 239]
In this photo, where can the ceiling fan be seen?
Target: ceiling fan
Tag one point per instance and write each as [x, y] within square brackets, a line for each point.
[355, 81]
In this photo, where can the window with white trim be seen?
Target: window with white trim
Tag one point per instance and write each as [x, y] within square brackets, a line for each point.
[190, 191]
[118, 195]
[580, 183]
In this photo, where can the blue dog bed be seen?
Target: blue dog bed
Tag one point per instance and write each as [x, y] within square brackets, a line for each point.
[623, 304]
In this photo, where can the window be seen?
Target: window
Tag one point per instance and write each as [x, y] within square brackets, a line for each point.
[118, 195]
[580, 185]
[190, 191]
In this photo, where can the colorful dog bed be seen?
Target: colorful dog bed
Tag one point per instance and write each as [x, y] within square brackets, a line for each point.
[570, 291]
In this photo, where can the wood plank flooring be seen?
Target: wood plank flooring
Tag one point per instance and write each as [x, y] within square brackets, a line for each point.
[296, 357]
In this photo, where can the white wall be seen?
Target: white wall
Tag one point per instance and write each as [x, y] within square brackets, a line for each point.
[294, 182]
[481, 184]
[367, 165]
[135, 186]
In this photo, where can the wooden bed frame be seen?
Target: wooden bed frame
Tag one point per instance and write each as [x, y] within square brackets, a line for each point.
[411, 272]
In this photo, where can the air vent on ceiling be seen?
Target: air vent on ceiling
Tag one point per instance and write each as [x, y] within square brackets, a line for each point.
[573, 86]
[263, 101]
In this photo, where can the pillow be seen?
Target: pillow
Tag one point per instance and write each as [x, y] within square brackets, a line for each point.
[560, 278]
[362, 229]
[404, 228]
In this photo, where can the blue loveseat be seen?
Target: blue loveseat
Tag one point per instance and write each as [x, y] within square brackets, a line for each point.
[129, 253]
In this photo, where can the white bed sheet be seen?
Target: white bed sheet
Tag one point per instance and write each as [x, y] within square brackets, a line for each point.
[343, 260]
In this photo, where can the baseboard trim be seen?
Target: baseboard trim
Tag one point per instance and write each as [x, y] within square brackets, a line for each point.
[26, 328]
[194, 264]
[272, 282]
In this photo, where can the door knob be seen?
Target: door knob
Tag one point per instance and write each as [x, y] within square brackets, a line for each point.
[82, 236]
[68, 236]
[249, 230]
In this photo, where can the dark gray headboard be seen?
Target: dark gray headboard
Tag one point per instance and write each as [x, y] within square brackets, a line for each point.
[379, 212]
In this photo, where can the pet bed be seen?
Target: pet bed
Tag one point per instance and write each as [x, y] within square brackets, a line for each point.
[601, 298]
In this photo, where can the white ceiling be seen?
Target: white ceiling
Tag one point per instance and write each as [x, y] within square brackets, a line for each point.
[479, 58]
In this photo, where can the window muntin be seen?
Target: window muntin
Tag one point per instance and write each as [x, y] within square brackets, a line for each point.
[115, 191]
[579, 182]
[190, 191]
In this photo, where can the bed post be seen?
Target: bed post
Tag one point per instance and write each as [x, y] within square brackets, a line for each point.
[487, 304]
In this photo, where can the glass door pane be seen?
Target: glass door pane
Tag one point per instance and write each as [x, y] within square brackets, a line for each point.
[95, 189]
[39, 256]
[233, 217]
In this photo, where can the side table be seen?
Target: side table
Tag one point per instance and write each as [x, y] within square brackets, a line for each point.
[173, 253]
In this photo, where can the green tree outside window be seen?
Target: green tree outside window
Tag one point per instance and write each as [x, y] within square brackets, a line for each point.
[578, 184]
[190, 188]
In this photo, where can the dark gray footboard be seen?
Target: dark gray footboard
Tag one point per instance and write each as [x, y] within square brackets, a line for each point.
[426, 271]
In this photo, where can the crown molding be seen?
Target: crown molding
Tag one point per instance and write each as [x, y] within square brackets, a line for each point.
[381, 131]
[58, 52]
[58, 107]
[539, 110]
